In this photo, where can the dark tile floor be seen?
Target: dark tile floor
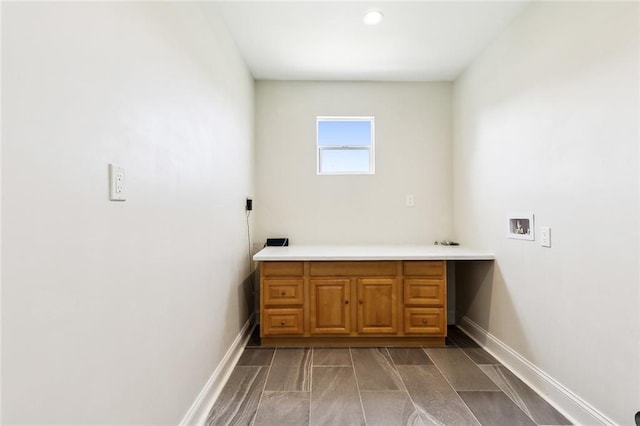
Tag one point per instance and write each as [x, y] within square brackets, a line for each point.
[458, 385]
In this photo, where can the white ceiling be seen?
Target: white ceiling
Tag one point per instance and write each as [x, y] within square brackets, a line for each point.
[327, 40]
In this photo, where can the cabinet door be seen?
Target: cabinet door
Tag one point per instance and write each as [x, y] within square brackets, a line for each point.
[330, 309]
[377, 306]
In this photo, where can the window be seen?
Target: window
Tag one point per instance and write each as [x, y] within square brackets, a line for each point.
[345, 145]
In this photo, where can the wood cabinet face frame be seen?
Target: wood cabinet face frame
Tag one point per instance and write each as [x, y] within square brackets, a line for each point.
[391, 301]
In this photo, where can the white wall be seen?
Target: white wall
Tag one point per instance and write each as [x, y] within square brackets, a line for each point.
[413, 156]
[546, 121]
[118, 313]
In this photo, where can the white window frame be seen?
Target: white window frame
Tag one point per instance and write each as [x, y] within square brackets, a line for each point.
[370, 148]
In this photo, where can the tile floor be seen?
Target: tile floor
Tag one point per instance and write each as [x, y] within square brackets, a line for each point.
[458, 385]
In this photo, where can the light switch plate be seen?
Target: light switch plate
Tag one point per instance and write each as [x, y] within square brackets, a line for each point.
[545, 236]
[116, 183]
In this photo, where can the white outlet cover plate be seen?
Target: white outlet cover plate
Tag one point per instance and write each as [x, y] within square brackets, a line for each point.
[116, 183]
[545, 236]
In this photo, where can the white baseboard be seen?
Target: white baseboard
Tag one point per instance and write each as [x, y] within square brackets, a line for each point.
[564, 400]
[197, 414]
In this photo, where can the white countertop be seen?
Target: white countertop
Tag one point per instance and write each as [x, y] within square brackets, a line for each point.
[371, 252]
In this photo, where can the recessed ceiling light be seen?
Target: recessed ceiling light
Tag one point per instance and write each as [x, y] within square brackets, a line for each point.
[373, 18]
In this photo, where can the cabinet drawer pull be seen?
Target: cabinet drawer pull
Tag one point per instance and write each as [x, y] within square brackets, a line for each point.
[346, 302]
[360, 301]
[283, 293]
[282, 323]
[424, 321]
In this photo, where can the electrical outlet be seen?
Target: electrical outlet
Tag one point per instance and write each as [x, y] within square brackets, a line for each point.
[545, 236]
[410, 200]
[116, 183]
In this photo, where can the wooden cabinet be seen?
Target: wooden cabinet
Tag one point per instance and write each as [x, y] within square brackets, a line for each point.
[283, 291]
[330, 310]
[425, 297]
[424, 292]
[282, 321]
[282, 299]
[353, 303]
[377, 306]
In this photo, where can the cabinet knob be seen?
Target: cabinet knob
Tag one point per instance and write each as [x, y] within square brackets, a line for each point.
[282, 323]
[346, 302]
[360, 301]
[424, 321]
[282, 293]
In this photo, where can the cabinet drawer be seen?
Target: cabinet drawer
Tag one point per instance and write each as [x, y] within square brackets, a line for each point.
[283, 291]
[282, 321]
[348, 269]
[282, 269]
[424, 291]
[428, 268]
[430, 321]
